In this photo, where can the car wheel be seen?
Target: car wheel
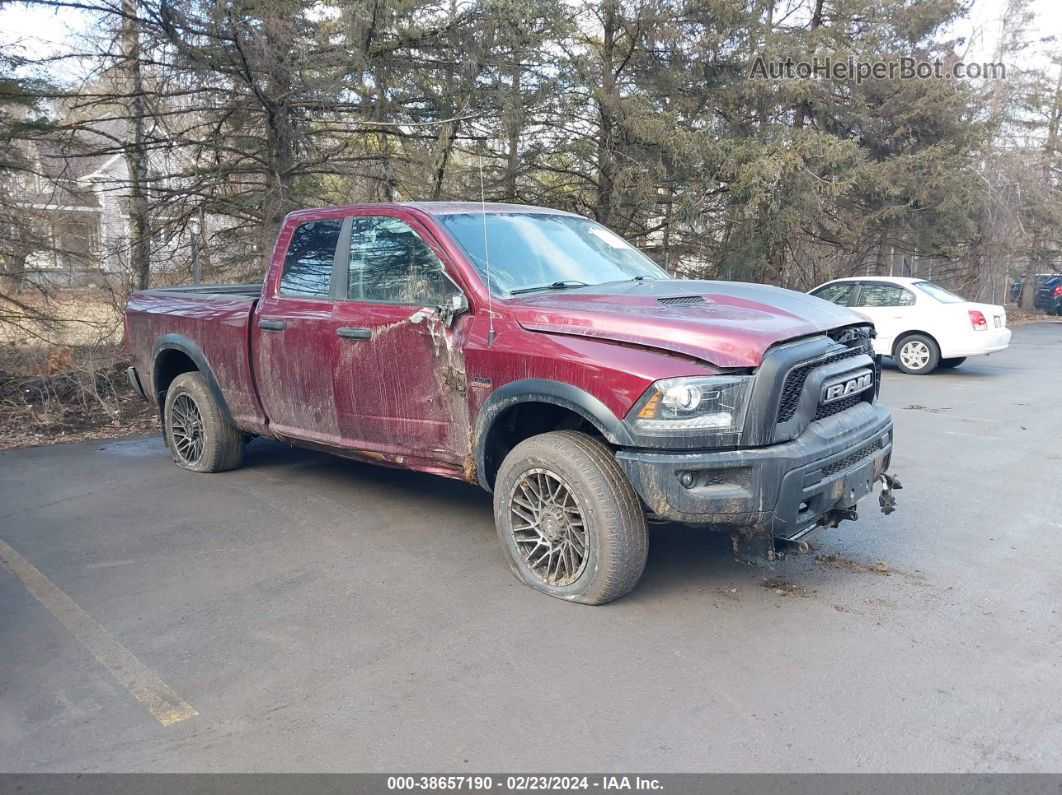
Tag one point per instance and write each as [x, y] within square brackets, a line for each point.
[570, 523]
[196, 431]
[917, 354]
[947, 364]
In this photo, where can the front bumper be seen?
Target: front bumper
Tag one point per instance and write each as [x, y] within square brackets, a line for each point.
[786, 487]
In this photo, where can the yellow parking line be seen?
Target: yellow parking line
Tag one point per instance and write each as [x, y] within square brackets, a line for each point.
[148, 689]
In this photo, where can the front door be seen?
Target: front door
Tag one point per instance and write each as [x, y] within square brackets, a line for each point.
[399, 381]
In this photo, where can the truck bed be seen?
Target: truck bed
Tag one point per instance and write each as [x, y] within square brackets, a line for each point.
[208, 291]
[207, 320]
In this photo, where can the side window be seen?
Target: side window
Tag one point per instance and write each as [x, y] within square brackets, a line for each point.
[873, 294]
[837, 293]
[390, 263]
[308, 266]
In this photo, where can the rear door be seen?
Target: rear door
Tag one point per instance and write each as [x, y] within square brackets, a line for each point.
[892, 308]
[399, 381]
[294, 336]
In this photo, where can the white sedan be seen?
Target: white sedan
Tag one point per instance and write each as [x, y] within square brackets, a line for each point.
[920, 324]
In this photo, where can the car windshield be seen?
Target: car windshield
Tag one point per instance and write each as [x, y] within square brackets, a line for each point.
[938, 292]
[533, 251]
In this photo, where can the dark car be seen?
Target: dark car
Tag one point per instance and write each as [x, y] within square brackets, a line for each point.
[1049, 296]
[1041, 281]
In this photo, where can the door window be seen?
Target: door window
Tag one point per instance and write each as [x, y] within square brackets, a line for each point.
[391, 264]
[311, 253]
[872, 294]
[837, 293]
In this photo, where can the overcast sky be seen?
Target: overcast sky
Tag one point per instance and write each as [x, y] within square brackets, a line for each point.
[37, 31]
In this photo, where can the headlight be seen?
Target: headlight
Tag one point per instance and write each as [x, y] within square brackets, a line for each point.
[715, 403]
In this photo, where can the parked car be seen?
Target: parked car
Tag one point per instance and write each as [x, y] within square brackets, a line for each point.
[555, 366]
[1049, 296]
[1041, 280]
[919, 324]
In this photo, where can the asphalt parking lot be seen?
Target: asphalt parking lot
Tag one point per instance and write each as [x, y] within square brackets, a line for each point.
[317, 614]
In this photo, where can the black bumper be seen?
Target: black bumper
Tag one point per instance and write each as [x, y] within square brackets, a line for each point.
[785, 487]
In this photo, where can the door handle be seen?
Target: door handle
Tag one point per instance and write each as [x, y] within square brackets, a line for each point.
[348, 333]
[271, 325]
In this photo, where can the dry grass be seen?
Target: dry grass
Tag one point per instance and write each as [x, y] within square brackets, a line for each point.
[1021, 317]
[62, 371]
[90, 316]
[61, 394]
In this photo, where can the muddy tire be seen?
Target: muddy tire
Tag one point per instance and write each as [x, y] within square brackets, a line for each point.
[568, 519]
[917, 354]
[948, 364]
[197, 434]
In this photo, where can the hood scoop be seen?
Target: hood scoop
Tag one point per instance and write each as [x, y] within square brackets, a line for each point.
[684, 300]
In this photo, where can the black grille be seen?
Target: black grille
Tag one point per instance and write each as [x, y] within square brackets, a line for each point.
[829, 409]
[682, 299]
[852, 459]
[794, 383]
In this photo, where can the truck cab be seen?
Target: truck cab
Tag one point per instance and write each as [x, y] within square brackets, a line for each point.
[539, 355]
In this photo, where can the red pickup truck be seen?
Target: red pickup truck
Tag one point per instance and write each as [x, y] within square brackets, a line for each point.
[540, 355]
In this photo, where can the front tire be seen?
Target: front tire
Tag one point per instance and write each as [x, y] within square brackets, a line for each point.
[570, 523]
[199, 438]
[948, 364]
[917, 354]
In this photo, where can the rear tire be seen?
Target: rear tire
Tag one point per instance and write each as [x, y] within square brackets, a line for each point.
[917, 354]
[571, 525]
[199, 438]
[948, 364]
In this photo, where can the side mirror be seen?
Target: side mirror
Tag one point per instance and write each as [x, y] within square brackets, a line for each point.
[455, 305]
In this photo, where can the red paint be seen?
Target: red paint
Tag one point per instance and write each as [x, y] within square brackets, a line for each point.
[403, 398]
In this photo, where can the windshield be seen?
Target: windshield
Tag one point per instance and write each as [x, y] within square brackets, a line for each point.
[530, 251]
[938, 292]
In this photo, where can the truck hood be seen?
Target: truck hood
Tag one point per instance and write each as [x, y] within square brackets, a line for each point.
[729, 324]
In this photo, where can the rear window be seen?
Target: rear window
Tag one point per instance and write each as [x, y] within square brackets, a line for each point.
[938, 292]
[308, 266]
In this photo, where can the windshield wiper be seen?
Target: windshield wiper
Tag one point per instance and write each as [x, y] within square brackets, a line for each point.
[563, 285]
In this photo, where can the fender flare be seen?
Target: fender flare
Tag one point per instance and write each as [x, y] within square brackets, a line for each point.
[179, 342]
[534, 390]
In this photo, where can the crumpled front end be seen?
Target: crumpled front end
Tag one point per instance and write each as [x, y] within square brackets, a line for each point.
[814, 443]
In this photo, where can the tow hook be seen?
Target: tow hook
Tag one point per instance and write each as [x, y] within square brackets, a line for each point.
[763, 549]
[791, 546]
[838, 515]
[889, 484]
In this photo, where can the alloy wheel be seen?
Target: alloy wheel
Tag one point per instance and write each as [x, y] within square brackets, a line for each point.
[548, 527]
[186, 430]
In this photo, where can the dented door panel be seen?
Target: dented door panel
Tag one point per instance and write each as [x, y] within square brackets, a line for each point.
[401, 391]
